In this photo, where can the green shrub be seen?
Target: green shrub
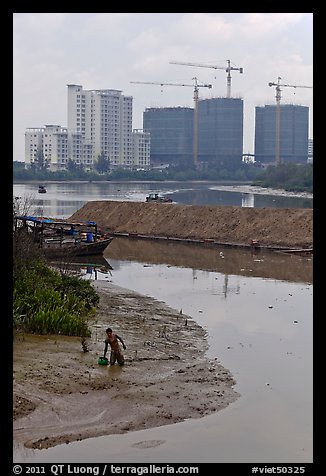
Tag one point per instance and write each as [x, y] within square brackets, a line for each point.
[47, 302]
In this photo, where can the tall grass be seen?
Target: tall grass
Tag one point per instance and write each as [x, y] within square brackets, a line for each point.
[47, 302]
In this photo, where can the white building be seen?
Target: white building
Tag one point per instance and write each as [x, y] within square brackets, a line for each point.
[33, 144]
[142, 149]
[310, 151]
[51, 141]
[99, 122]
[103, 117]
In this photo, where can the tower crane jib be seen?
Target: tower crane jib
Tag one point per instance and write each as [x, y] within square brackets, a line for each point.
[227, 69]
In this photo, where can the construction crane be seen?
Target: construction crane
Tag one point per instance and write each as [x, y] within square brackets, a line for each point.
[228, 70]
[278, 86]
[196, 87]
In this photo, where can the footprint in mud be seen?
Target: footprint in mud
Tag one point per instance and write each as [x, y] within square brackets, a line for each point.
[148, 444]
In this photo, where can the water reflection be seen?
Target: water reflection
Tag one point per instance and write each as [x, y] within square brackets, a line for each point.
[86, 266]
[264, 264]
[248, 200]
[212, 196]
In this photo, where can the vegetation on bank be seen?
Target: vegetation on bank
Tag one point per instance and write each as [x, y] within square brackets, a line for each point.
[47, 300]
[288, 176]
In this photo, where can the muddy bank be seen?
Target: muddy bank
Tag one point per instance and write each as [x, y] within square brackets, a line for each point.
[61, 394]
[279, 227]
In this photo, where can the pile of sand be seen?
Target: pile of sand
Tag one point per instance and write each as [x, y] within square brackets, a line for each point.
[280, 227]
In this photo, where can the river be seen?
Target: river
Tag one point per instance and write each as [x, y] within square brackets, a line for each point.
[258, 314]
[64, 198]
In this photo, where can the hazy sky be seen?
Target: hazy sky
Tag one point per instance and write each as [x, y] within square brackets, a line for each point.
[109, 50]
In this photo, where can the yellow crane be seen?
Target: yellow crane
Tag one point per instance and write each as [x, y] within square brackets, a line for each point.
[227, 69]
[196, 87]
[278, 86]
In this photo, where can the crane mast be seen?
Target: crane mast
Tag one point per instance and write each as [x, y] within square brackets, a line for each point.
[227, 69]
[196, 87]
[278, 86]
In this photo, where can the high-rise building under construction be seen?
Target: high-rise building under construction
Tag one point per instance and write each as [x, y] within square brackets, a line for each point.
[171, 132]
[220, 132]
[293, 134]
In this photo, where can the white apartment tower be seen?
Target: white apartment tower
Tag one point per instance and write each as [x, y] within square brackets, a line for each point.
[142, 149]
[51, 141]
[33, 143]
[310, 151]
[102, 118]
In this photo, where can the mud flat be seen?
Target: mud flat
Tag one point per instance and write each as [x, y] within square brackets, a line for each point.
[61, 394]
[262, 191]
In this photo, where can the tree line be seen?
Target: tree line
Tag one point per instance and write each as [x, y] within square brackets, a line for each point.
[288, 176]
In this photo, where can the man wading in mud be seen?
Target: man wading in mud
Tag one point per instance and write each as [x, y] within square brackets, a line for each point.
[116, 355]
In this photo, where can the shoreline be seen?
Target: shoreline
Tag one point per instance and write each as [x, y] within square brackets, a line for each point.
[63, 395]
[256, 190]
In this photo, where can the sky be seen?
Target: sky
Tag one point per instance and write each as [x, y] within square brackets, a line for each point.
[111, 50]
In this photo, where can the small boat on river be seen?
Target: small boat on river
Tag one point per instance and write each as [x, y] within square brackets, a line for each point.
[63, 239]
[155, 197]
[41, 189]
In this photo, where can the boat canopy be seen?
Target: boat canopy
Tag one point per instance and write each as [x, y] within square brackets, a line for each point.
[52, 221]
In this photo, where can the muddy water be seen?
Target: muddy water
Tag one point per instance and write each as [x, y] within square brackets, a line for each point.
[257, 310]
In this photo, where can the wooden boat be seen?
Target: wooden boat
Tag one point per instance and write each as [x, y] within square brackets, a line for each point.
[68, 249]
[62, 239]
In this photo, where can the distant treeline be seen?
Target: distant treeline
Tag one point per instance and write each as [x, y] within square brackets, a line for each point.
[290, 177]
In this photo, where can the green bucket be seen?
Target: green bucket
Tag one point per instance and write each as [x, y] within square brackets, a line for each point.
[102, 361]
